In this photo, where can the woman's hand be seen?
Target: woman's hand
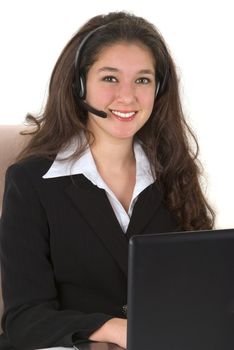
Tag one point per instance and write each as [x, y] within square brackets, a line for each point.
[113, 331]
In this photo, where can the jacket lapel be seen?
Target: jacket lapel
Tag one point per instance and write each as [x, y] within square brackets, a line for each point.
[148, 202]
[94, 205]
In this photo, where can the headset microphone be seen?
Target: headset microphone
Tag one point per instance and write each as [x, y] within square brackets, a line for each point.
[93, 110]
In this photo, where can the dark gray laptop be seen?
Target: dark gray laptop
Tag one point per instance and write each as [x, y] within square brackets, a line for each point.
[180, 292]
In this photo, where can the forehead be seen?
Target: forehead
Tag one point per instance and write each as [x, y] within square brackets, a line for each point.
[124, 54]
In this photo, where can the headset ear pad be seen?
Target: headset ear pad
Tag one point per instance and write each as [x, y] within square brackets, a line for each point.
[82, 87]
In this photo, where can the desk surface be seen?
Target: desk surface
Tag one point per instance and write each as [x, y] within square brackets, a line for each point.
[90, 346]
[98, 346]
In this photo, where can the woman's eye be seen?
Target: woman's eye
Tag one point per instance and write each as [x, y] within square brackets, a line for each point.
[110, 79]
[143, 81]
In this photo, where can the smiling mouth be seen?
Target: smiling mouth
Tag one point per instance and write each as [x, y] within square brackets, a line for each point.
[124, 115]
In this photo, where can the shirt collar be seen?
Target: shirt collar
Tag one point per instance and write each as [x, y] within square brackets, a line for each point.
[63, 166]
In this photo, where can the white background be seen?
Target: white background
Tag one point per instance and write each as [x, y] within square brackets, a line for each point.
[200, 35]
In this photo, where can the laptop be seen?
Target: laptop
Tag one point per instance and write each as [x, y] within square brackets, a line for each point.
[180, 292]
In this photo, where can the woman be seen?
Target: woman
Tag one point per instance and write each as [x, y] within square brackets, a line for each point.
[110, 158]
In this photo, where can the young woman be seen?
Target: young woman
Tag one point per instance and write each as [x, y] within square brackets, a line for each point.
[110, 158]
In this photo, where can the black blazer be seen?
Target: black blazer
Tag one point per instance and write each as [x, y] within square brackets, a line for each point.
[64, 257]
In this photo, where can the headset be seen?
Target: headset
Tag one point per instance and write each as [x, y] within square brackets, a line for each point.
[79, 86]
[80, 83]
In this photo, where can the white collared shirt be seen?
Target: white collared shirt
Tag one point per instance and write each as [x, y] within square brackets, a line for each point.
[86, 165]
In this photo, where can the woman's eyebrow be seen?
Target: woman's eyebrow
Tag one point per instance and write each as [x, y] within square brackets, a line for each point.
[108, 69]
[146, 71]
[112, 69]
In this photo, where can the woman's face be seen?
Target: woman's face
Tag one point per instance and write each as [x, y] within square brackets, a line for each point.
[122, 83]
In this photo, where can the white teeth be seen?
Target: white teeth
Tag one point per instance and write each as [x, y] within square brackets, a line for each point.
[123, 115]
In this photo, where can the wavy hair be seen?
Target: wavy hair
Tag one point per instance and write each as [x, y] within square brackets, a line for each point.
[168, 141]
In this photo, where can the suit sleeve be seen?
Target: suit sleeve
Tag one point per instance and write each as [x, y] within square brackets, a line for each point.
[32, 316]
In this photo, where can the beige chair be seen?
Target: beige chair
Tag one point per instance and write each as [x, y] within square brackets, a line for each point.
[11, 143]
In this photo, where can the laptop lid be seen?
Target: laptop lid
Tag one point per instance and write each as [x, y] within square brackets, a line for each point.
[181, 291]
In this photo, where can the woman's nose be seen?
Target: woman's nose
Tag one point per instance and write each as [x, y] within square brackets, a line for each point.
[126, 93]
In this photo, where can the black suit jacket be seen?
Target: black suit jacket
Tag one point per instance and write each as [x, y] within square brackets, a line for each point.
[64, 257]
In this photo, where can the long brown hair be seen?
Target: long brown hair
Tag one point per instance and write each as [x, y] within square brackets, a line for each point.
[167, 139]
